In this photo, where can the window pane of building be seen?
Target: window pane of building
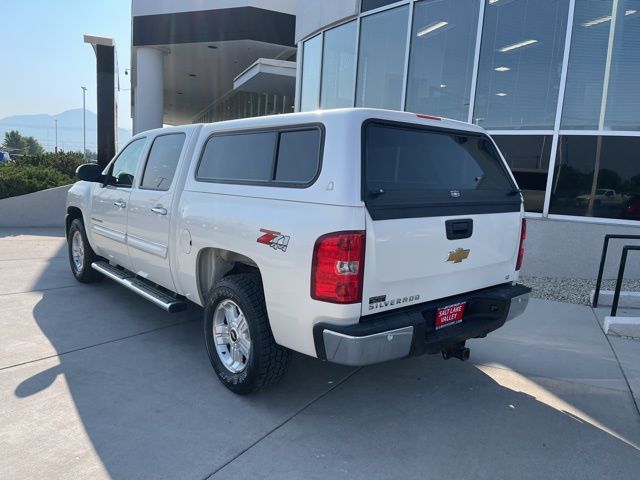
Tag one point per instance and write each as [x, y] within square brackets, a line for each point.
[442, 52]
[383, 38]
[587, 59]
[597, 177]
[520, 63]
[163, 161]
[242, 157]
[298, 156]
[372, 4]
[339, 67]
[604, 60]
[311, 64]
[623, 99]
[528, 157]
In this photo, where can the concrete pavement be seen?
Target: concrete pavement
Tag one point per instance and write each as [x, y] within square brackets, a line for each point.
[96, 382]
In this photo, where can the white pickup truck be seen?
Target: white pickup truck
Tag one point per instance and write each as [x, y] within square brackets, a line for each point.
[355, 236]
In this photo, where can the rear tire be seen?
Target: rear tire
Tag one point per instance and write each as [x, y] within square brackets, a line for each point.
[81, 255]
[239, 342]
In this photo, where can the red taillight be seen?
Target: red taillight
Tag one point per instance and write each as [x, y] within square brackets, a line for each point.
[338, 267]
[523, 236]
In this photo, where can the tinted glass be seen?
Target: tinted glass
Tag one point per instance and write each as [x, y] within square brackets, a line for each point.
[442, 54]
[597, 177]
[311, 63]
[598, 69]
[298, 156]
[243, 157]
[430, 165]
[372, 4]
[339, 67]
[383, 37]
[520, 63]
[124, 168]
[528, 157]
[162, 162]
[623, 99]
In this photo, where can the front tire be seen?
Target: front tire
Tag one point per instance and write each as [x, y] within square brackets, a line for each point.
[81, 255]
[238, 337]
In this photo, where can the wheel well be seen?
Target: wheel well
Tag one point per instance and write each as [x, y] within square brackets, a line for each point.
[72, 214]
[215, 263]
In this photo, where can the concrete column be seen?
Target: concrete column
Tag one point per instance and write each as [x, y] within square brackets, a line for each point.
[149, 96]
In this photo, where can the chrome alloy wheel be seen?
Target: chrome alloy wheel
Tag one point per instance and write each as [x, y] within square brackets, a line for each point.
[77, 251]
[231, 335]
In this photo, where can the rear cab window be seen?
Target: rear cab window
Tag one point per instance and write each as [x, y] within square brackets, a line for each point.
[288, 156]
[412, 171]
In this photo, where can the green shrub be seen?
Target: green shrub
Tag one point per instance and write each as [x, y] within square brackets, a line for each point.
[34, 173]
[19, 179]
[65, 163]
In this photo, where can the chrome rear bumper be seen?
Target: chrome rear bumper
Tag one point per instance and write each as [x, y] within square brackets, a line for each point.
[518, 306]
[410, 331]
[357, 351]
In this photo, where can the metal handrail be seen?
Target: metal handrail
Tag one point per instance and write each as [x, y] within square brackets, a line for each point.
[623, 262]
[603, 258]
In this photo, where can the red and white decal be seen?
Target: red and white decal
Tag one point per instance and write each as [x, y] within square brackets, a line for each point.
[275, 240]
[449, 316]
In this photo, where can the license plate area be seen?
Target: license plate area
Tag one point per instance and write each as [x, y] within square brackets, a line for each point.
[449, 315]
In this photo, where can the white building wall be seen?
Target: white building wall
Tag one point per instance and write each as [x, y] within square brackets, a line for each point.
[313, 15]
[156, 7]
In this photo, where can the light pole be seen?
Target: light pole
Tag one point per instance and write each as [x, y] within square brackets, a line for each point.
[56, 135]
[84, 123]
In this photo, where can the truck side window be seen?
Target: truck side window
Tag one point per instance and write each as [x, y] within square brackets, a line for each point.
[289, 155]
[162, 162]
[298, 156]
[123, 170]
[241, 157]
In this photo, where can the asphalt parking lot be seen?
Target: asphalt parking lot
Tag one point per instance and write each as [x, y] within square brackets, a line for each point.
[95, 383]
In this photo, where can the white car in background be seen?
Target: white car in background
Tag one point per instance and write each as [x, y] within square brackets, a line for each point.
[605, 197]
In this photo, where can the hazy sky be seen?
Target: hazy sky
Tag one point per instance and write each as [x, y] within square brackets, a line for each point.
[44, 60]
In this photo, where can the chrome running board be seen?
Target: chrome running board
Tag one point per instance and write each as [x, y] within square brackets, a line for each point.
[139, 286]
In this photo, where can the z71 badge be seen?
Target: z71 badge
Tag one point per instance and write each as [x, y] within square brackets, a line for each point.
[275, 240]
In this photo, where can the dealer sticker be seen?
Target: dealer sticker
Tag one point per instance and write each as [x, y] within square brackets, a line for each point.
[448, 316]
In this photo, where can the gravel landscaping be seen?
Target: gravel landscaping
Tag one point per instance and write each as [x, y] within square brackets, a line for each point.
[571, 290]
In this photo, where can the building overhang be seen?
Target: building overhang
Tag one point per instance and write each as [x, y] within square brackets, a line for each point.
[205, 50]
[268, 76]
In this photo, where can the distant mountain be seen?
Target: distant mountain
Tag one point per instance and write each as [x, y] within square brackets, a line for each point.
[42, 127]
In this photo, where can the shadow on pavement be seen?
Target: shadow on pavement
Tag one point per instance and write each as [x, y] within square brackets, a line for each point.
[151, 407]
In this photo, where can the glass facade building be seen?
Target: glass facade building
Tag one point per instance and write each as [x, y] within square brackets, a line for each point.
[555, 82]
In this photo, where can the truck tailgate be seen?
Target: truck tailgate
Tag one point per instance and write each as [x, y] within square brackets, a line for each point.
[412, 261]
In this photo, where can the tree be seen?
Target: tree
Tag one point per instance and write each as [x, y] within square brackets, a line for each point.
[34, 147]
[15, 142]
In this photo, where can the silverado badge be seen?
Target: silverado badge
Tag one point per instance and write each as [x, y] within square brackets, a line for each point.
[458, 255]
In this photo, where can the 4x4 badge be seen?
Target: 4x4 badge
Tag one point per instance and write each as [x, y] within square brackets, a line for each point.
[275, 240]
[458, 255]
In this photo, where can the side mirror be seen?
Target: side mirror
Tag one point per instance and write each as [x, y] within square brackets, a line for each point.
[89, 172]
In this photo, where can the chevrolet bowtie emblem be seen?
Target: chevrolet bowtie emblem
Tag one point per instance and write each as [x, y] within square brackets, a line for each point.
[458, 255]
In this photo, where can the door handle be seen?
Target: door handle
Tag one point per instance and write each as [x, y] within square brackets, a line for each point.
[159, 210]
[459, 229]
[120, 204]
